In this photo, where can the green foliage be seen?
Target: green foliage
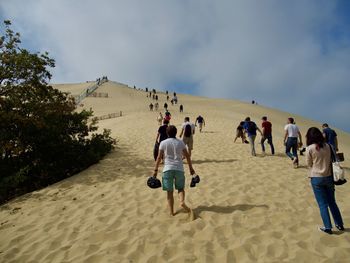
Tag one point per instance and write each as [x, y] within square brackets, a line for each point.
[42, 138]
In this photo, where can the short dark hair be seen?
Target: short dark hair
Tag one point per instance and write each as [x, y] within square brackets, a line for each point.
[324, 125]
[314, 136]
[291, 120]
[187, 118]
[171, 131]
[165, 121]
[247, 119]
[264, 118]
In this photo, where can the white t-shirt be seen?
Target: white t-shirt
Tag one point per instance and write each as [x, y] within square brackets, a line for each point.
[173, 149]
[292, 130]
[190, 123]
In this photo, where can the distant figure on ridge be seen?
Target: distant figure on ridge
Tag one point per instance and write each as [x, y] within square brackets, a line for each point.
[251, 128]
[151, 107]
[291, 141]
[266, 134]
[187, 131]
[200, 121]
[172, 150]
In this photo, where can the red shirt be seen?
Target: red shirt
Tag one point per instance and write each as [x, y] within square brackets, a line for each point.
[267, 126]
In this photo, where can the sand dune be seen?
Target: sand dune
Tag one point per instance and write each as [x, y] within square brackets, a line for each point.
[246, 209]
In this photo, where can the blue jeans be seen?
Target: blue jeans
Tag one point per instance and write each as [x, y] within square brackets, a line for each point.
[324, 193]
[269, 141]
[292, 143]
[251, 139]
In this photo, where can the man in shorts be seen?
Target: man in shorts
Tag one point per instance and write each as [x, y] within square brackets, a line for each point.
[172, 150]
[187, 133]
[201, 122]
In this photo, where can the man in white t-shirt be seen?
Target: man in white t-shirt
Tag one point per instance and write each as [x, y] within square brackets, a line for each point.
[291, 141]
[172, 150]
[187, 132]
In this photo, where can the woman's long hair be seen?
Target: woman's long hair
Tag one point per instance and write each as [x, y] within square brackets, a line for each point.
[315, 136]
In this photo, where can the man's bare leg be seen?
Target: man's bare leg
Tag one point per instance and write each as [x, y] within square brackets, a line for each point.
[182, 201]
[170, 198]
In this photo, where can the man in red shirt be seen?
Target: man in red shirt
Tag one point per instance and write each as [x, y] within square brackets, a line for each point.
[266, 134]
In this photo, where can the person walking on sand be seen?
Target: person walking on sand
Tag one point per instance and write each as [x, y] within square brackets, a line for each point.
[200, 121]
[160, 118]
[187, 132]
[156, 106]
[167, 116]
[166, 106]
[331, 136]
[181, 108]
[250, 128]
[266, 134]
[291, 141]
[172, 150]
[240, 133]
[162, 134]
[151, 107]
[319, 160]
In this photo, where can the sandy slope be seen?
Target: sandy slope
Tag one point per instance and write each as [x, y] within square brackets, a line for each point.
[247, 209]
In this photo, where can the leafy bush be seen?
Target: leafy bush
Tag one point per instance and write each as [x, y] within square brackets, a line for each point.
[42, 138]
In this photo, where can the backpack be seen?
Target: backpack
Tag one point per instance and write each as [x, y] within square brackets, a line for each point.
[251, 127]
[188, 130]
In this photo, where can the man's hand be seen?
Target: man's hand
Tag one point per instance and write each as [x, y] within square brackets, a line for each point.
[155, 172]
[192, 171]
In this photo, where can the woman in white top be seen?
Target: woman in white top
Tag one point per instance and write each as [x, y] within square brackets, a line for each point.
[319, 160]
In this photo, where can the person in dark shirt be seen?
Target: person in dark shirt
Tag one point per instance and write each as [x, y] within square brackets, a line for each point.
[251, 128]
[162, 135]
[331, 136]
[266, 134]
[201, 122]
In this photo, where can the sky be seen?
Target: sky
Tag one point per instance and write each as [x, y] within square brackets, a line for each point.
[290, 55]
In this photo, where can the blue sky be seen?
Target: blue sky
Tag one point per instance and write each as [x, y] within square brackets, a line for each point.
[289, 55]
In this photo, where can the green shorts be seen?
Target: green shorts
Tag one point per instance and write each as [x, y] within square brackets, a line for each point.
[170, 176]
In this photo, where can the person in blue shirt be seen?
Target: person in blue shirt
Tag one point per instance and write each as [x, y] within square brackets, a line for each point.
[250, 129]
[331, 136]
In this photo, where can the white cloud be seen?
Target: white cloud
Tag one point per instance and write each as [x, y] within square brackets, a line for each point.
[281, 53]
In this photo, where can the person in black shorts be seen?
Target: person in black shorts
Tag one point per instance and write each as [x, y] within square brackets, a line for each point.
[201, 122]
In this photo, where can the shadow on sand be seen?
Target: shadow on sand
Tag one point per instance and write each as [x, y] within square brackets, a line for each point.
[213, 161]
[226, 209]
[208, 132]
